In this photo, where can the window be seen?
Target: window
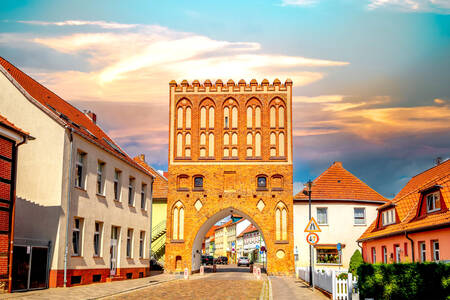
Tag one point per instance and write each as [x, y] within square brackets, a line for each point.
[179, 145]
[203, 117]
[143, 195]
[234, 117]
[178, 221]
[180, 117]
[234, 152]
[397, 253]
[211, 118]
[211, 145]
[422, 251]
[258, 117]
[258, 145]
[188, 118]
[328, 256]
[249, 117]
[281, 117]
[79, 169]
[97, 238]
[131, 191]
[141, 244]
[322, 216]
[374, 255]
[129, 242]
[262, 182]
[198, 182]
[388, 217]
[272, 117]
[359, 215]
[385, 256]
[281, 222]
[226, 117]
[117, 174]
[281, 144]
[433, 202]
[76, 236]
[100, 177]
[435, 247]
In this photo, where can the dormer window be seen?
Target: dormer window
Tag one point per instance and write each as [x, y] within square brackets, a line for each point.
[433, 202]
[388, 217]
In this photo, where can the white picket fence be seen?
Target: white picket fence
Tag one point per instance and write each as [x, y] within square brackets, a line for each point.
[327, 279]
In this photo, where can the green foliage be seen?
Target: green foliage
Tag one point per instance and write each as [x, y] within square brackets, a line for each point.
[355, 261]
[404, 281]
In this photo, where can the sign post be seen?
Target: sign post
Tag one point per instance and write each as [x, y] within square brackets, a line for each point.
[312, 238]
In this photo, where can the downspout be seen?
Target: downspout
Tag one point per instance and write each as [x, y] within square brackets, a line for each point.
[150, 240]
[412, 245]
[362, 253]
[13, 212]
[69, 192]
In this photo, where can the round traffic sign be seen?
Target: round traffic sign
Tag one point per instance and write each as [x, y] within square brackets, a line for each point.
[312, 238]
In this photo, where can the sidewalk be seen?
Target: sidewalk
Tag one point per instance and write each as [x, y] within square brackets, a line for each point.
[291, 288]
[93, 291]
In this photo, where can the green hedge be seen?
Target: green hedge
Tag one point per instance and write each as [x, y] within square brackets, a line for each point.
[404, 281]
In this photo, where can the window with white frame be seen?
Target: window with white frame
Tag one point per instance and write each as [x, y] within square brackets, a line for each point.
[143, 195]
[100, 177]
[322, 216]
[76, 236]
[79, 170]
[117, 175]
[359, 214]
[435, 245]
[433, 202]
[385, 256]
[141, 244]
[374, 255]
[98, 238]
[131, 191]
[129, 243]
[423, 251]
[388, 217]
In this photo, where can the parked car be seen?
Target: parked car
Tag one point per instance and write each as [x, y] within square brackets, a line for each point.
[243, 261]
[221, 260]
[207, 260]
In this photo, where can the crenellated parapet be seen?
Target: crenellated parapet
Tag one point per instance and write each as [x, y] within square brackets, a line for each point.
[230, 86]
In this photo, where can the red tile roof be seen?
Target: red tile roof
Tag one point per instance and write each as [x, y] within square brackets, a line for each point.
[211, 232]
[407, 200]
[65, 113]
[8, 124]
[336, 183]
[160, 185]
[250, 228]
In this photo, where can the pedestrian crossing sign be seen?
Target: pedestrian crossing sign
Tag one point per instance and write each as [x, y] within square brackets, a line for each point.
[312, 226]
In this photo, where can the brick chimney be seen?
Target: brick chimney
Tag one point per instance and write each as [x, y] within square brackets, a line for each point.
[91, 116]
[338, 163]
[142, 157]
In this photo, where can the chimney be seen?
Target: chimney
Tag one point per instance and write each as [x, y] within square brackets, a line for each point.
[142, 157]
[91, 116]
[338, 163]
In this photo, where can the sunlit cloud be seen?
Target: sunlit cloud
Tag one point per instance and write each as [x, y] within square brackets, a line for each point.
[298, 2]
[442, 6]
[441, 101]
[102, 24]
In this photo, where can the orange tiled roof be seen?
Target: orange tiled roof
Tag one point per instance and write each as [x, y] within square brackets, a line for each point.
[225, 224]
[160, 185]
[66, 114]
[336, 183]
[250, 228]
[11, 126]
[407, 200]
[211, 231]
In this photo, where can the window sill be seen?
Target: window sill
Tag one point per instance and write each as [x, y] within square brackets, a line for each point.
[207, 158]
[281, 242]
[230, 158]
[129, 205]
[143, 210]
[260, 189]
[79, 188]
[97, 257]
[277, 158]
[329, 264]
[277, 189]
[182, 190]
[182, 158]
[79, 256]
[177, 241]
[101, 195]
[198, 190]
[253, 158]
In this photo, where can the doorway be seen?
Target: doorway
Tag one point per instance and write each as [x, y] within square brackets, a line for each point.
[115, 231]
[29, 268]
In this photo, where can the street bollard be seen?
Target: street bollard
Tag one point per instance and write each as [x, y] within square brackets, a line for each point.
[186, 273]
[202, 270]
[251, 269]
[258, 273]
[214, 268]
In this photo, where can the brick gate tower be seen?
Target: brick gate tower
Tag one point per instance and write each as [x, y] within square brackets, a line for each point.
[230, 151]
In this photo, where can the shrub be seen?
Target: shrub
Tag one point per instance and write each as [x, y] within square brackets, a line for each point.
[404, 281]
[355, 261]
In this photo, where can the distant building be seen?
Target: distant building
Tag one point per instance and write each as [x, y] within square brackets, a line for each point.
[415, 225]
[253, 241]
[84, 194]
[343, 207]
[209, 241]
[11, 137]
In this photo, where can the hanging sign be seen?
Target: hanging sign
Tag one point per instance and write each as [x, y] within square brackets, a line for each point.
[312, 226]
[312, 238]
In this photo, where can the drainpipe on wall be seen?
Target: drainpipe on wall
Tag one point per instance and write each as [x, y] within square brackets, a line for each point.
[412, 245]
[151, 213]
[69, 192]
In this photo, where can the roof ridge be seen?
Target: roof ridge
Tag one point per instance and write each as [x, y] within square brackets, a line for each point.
[419, 187]
[442, 163]
[362, 182]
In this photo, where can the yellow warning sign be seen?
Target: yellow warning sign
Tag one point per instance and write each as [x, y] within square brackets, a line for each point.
[312, 226]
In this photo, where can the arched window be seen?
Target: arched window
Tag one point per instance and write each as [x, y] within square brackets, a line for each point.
[211, 145]
[178, 221]
[258, 117]
[234, 139]
[281, 144]
[258, 144]
[281, 117]
[202, 152]
[203, 117]
[211, 118]
[188, 118]
[249, 117]
[234, 152]
[226, 152]
[179, 145]
[226, 117]
[249, 139]
[234, 117]
[226, 139]
[249, 152]
[273, 139]
[281, 222]
[187, 139]
[272, 117]
[203, 139]
[180, 117]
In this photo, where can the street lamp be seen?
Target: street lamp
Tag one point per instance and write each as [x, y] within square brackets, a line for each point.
[307, 192]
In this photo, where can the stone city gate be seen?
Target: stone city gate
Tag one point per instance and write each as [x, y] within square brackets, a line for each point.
[230, 151]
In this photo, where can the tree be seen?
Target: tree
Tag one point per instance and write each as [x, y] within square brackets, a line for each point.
[355, 261]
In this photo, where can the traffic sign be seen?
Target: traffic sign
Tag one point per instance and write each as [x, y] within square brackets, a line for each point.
[257, 246]
[338, 246]
[263, 248]
[312, 238]
[312, 226]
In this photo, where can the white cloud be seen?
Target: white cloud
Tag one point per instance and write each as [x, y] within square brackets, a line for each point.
[440, 6]
[102, 24]
[298, 2]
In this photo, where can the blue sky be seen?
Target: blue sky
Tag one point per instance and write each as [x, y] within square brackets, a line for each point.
[371, 78]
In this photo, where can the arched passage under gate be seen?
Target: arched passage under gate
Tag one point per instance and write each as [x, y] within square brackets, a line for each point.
[197, 244]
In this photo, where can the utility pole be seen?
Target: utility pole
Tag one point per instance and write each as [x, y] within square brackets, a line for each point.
[311, 253]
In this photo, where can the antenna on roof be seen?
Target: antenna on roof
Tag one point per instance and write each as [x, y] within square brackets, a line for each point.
[438, 161]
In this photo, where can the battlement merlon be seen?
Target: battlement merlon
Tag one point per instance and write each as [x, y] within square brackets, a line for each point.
[230, 86]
